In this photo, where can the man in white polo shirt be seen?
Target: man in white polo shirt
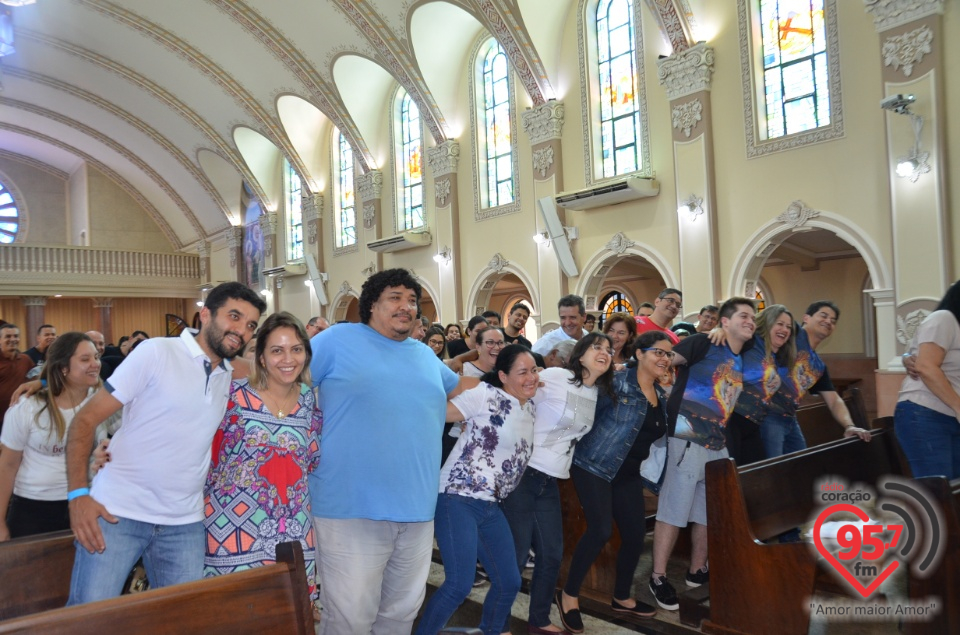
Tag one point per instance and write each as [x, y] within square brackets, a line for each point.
[148, 500]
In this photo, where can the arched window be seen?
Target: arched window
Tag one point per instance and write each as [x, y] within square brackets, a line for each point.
[345, 221]
[496, 129]
[613, 302]
[795, 74]
[9, 216]
[790, 59]
[620, 126]
[410, 164]
[292, 185]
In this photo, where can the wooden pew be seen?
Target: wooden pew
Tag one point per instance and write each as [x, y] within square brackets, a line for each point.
[818, 425]
[757, 587]
[944, 582]
[269, 599]
[36, 573]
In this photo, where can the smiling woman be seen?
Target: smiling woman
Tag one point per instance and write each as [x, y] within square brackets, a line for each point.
[33, 472]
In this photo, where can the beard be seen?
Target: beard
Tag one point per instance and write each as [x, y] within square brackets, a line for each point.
[215, 337]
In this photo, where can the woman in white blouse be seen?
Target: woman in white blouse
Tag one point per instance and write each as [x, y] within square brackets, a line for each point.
[33, 468]
[483, 468]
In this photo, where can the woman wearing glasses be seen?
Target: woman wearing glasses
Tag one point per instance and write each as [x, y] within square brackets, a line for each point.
[606, 474]
[565, 405]
[489, 344]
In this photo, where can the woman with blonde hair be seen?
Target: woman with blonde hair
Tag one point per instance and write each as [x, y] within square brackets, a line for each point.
[33, 469]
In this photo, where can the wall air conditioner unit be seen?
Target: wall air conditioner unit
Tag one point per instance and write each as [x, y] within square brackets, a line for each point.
[609, 193]
[289, 269]
[406, 240]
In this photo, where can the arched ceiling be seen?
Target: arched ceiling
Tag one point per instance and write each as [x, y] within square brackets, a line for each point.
[180, 101]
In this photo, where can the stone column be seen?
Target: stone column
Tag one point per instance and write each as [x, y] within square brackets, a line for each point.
[369, 191]
[686, 75]
[235, 248]
[444, 160]
[544, 126]
[105, 317]
[203, 250]
[35, 317]
[311, 212]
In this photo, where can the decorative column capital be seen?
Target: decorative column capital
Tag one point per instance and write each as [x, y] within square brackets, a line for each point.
[370, 185]
[888, 14]
[687, 72]
[234, 237]
[268, 224]
[34, 300]
[102, 303]
[445, 158]
[311, 206]
[544, 122]
[203, 249]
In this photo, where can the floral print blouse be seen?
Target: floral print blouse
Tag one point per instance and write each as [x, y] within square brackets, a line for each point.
[493, 451]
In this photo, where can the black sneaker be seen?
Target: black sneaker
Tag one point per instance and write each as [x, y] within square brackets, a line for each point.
[664, 593]
[702, 576]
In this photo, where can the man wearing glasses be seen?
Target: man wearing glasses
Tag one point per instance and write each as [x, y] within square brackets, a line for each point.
[709, 381]
[665, 309]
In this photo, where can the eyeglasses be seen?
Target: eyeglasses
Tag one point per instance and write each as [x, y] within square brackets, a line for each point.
[672, 302]
[435, 342]
[602, 349]
[494, 343]
[659, 352]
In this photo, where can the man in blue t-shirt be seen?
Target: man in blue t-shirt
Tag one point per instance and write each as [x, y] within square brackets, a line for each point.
[373, 495]
[708, 382]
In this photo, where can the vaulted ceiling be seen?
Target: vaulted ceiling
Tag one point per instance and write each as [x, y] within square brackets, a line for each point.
[179, 101]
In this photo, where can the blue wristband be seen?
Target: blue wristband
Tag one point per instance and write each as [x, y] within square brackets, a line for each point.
[77, 493]
[43, 383]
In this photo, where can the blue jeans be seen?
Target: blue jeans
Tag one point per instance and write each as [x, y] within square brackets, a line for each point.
[781, 436]
[467, 528]
[171, 554]
[930, 439]
[533, 511]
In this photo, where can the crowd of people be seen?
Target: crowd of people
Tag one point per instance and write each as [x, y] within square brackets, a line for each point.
[367, 442]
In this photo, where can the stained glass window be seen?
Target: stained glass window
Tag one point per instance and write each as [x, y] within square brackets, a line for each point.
[619, 109]
[294, 212]
[497, 127]
[9, 216]
[613, 302]
[759, 301]
[411, 162]
[795, 76]
[346, 218]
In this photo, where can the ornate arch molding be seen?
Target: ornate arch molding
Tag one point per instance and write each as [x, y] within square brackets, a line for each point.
[674, 22]
[341, 302]
[482, 288]
[798, 218]
[23, 214]
[500, 19]
[598, 266]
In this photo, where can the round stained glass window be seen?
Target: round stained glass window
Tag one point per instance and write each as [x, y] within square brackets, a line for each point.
[9, 216]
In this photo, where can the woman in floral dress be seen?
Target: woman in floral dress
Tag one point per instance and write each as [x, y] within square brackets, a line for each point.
[266, 446]
[484, 467]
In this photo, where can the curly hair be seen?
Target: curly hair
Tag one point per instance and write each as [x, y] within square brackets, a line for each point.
[375, 285]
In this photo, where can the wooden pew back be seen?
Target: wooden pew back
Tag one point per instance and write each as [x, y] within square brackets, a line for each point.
[36, 573]
[818, 425]
[779, 492]
[269, 599]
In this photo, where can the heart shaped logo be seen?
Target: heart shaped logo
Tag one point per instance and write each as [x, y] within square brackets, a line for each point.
[865, 591]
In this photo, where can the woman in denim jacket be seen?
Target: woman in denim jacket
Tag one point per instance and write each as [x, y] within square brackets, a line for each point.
[606, 473]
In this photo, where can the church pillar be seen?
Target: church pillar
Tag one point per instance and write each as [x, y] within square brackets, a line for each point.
[104, 317]
[443, 160]
[35, 317]
[235, 249]
[203, 251]
[369, 192]
[911, 56]
[544, 126]
[686, 75]
[268, 229]
[312, 215]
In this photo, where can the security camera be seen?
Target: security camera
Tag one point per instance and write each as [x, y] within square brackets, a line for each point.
[899, 104]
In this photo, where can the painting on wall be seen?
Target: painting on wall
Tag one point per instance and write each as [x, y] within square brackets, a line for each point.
[252, 239]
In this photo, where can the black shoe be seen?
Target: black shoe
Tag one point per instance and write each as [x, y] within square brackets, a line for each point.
[664, 593]
[642, 609]
[571, 619]
[478, 580]
[702, 576]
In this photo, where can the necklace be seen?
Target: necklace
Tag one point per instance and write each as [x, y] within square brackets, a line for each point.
[282, 410]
